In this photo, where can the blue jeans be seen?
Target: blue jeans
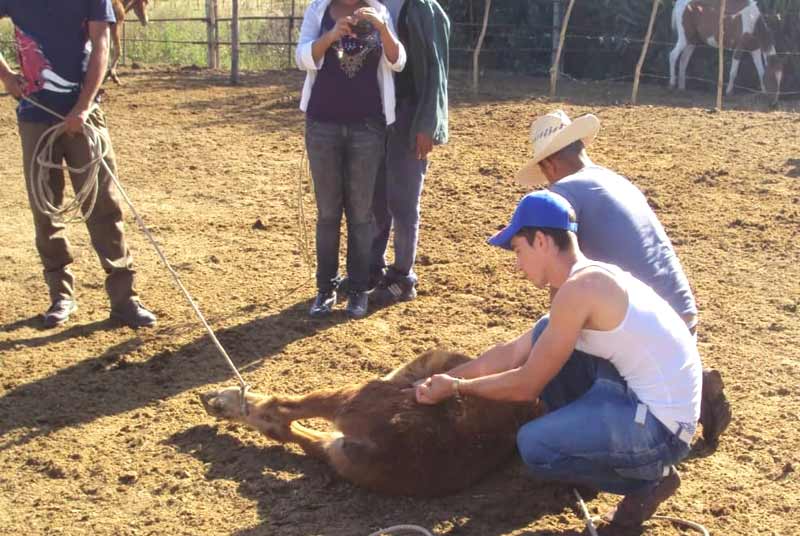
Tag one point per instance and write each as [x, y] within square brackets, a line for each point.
[344, 161]
[397, 195]
[590, 435]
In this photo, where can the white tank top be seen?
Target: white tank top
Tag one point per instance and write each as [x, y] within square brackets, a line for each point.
[653, 351]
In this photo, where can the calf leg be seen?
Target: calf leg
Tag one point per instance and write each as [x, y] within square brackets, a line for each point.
[427, 364]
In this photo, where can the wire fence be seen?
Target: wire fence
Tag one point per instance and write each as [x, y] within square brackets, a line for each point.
[519, 39]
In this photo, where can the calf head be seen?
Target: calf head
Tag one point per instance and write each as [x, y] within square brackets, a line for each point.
[263, 413]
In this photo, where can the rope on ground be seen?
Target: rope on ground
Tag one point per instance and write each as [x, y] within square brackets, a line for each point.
[589, 523]
[404, 528]
[99, 145]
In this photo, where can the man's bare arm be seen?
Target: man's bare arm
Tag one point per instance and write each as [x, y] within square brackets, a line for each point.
[96, 71]
[11, 79]
[499, 358]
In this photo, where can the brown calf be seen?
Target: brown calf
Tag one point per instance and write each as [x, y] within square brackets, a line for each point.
[386, 441]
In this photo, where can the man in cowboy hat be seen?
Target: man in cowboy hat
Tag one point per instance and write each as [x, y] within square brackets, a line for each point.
[618, 227]
[615, 367]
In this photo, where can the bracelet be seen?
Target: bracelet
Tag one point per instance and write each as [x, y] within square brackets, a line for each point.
[456, 390]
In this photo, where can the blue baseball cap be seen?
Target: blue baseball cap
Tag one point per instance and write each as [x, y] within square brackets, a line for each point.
[542, 208]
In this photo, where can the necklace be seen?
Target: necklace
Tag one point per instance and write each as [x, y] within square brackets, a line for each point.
[352, 52]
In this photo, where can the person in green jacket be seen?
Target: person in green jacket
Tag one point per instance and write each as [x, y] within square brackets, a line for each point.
[421, 88]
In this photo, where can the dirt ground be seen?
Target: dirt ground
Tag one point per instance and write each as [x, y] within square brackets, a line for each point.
[101, 431]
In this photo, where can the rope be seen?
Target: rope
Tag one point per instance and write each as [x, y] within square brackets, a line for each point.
[398, 528]
[99, 146]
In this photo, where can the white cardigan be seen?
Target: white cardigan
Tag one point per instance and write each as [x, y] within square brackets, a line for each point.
[310, 32]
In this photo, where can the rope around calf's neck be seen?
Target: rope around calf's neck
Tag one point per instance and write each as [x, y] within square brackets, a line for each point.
[43, 200]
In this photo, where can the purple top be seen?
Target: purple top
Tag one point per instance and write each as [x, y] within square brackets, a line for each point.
[346, 89]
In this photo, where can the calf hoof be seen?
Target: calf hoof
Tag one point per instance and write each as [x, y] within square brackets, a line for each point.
[224, 404]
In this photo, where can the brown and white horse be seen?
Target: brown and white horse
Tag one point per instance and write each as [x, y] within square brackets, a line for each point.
[121, 7]
[697, 23]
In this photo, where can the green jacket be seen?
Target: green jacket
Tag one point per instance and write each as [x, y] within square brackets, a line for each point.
[428, 52]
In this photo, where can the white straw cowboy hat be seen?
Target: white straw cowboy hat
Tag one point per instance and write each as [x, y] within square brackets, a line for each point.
[551, 133]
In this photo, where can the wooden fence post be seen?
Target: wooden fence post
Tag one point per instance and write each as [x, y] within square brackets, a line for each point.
[721, 57]
[235, 42]
[477, 52]
[289, 55]
[556, 29]
[645, 46]
[554, 67]
[212, 34]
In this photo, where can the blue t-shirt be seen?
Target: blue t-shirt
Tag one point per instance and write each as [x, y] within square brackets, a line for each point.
[617, 226]
[53, 48]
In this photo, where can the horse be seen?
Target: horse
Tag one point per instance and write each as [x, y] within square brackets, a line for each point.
[121, 7]
[697, 22]
[385, 441]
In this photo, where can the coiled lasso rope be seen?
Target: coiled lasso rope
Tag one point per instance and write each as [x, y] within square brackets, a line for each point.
[43, 200]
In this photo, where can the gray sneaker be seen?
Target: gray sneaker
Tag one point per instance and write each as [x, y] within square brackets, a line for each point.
[59, 312]
[133, 314]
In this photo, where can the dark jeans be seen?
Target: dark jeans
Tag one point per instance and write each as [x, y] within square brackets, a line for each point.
[591, 435]
[397, 197]
[344, 162]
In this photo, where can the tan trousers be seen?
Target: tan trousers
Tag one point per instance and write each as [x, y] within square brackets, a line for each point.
[105, 224]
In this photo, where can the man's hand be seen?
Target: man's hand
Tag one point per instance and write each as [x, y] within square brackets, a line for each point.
[435, 389]
[424, 145]
[13, 83]
[75, 120]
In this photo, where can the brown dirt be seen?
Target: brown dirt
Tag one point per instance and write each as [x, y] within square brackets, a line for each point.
[101, 431]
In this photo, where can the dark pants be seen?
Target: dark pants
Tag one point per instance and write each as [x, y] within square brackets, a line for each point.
[105, 224]
[344, 162]
[397, 197]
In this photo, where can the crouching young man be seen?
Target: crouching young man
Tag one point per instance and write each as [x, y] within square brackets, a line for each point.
[614, 364]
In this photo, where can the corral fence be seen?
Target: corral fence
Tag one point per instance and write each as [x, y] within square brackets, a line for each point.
[603, 39]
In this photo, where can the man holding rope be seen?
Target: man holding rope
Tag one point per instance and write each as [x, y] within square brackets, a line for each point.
[613, 363]
[63, 55]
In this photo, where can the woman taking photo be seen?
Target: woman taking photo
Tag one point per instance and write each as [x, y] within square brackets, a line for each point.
[349, 50]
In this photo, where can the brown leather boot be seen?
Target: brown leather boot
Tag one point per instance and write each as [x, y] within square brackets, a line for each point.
[636, 508]
[715, 410]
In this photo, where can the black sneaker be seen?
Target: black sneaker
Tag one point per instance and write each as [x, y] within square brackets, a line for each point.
[133, 314]
[323, 304]
[391, 291]
[357, 304]
[59, 312]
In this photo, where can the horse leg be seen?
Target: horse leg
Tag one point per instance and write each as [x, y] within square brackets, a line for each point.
[685, 57]
[680, 46]
[758, 60]
[737, 58]
[112, 67]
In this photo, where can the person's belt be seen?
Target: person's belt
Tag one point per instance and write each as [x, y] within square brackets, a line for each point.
[677, 429]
